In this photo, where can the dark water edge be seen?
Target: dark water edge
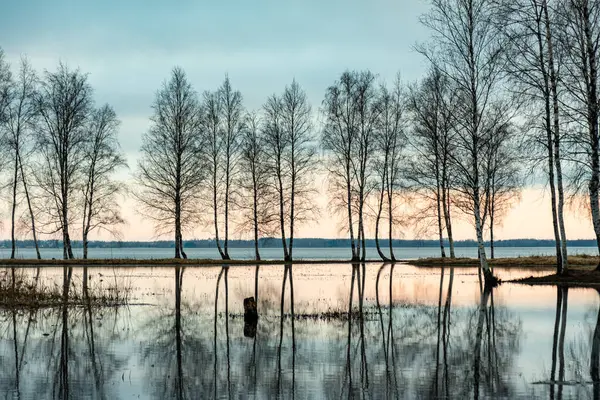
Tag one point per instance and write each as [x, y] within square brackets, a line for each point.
[300, 253]
[359, 331]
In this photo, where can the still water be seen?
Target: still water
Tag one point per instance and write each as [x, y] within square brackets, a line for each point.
[335, 253]
[325, 331]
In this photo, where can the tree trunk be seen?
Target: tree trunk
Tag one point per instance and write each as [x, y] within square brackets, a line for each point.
[390, 221]
[592, 120]
[349, 204]
[557, 158]
[490, 279]
[35, 241]
[226, 243]
[292, 204]
[282, 217]
[14, 210]
[448, 220]
[377, 221]
[492, 211]
[177, 225]
[215, 213]
[439, 221]
[183, 254]
[255, 219]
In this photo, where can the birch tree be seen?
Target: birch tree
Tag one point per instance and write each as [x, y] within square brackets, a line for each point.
[529, 27]
[63, 102]
[171, 169]
[233, 125]
[291, 160]
[390, 144]
[212, 128]
[465, 49]
[20, 120]
[103, 158]
[256, 197]
[580, 37]
[503, 178]
[338, 140]
[430, 145]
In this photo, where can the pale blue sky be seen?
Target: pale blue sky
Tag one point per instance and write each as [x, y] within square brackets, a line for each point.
[129, 46]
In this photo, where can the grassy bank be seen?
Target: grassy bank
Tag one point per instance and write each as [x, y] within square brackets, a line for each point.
[542, 262]
[575, 277]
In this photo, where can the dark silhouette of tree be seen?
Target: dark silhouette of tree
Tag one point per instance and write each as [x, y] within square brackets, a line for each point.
[291, 160]
[503, 177]
[429, 172]
[338, 140]
[578, 33]
[64, 103]
[233, 121]
[530, 30]
[102, 158]
[388, 160]
[466, 49]
[21, 118]
[171, 169]
[256, 201]
[212, 127]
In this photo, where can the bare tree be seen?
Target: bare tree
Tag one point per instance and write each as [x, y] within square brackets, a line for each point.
[465, 49]
[63, 102]
[503, 177]
[430, 140]
[233, 121]
[367, 114]
[580, 39]
[533, 69]
[102, 159]
[291, 159]
[256, 197]
[390, 143]
[171, 169]
[21, 117]
[338, 140]
[212, 131]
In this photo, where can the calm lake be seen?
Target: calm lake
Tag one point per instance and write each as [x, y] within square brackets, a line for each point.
[335, 253]
[325, 331]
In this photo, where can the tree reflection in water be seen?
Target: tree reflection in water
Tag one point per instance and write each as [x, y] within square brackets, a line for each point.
[373, 346]
[56, 352]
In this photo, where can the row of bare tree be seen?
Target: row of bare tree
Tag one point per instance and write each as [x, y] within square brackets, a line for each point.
[508, 83]
[255, 171]
[212, 154]
[525, 69]
[62, 152]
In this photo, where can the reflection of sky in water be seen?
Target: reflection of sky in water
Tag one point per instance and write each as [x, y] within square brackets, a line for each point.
[131, 351]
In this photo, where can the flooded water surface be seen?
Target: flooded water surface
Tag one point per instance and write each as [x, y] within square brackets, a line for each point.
[324, 331]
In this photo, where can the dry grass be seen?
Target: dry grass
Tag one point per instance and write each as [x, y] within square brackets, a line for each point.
[18, 289]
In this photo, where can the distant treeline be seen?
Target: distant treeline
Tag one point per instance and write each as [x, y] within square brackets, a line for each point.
[302, 243]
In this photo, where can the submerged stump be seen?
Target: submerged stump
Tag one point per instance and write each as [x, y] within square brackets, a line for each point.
[250, 317]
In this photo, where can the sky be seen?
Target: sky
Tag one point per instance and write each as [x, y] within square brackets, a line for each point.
[129, 48]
